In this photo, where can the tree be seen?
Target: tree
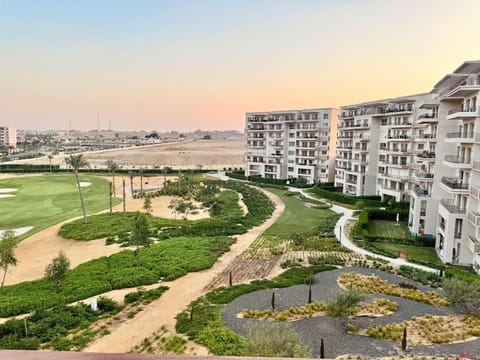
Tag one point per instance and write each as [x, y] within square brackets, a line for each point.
[112, 167]
[57, 270]
[274, 339]
[7, 255]
[140, 171]
[77, 162]
[50, 157]
[140, 235]
[463, 295]
[147, 203]
[131, 174]
[184, 207]
[173, 206]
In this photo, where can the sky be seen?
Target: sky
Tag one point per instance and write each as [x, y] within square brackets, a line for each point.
[189, 64]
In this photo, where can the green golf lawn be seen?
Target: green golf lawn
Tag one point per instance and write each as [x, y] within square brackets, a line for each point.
[42, 201]
[389, 229]
[296, 217]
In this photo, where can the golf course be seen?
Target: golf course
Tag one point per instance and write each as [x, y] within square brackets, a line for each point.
[41, 201]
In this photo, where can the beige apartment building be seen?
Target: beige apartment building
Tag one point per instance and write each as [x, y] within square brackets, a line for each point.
[292, 144]
[457, 170]
[8, 137]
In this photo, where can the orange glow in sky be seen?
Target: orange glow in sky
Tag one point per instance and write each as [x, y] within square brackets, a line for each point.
[184, 65]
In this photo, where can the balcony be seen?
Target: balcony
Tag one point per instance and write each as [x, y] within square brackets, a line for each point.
[354, 126]
[455, 184]
[474, 218]
[452, 207]
[458, 162]
[426, 156]
[401, 151]
[425, 137]
[419, 191]
[462, 113]
[393, 111]
[399, 138]
[476, 165]
[397, 177]
[361, 149]
[473, 244]
[351, 181]
[401, 124]
[460, 137]
[425, 176]
[344, 167]
[427, 119]
[398, 164]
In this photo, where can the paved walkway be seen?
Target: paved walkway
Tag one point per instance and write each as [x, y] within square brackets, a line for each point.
[342, 235]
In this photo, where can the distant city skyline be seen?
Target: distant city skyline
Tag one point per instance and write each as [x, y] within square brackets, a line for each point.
[185, 65]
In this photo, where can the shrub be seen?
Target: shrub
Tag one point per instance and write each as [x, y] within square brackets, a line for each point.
[345, 303]
[272, 339]
[463, 295]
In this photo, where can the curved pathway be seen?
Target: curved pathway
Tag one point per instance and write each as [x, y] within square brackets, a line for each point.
[182, 291]
[343, 237]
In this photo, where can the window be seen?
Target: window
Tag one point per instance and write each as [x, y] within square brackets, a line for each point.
[325, 116]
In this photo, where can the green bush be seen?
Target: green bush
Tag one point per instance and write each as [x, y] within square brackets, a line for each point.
[169, 259]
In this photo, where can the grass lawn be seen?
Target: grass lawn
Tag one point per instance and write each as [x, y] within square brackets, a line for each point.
[388, 229]
[296, 216]
[42, 201]
[414, 252]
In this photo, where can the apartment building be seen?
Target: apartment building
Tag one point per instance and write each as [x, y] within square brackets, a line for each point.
[8, 137]
[386, 147]
[457, 170]
[292, 144]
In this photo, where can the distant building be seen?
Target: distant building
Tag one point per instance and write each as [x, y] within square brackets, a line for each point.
[8, 137]
[292, 144]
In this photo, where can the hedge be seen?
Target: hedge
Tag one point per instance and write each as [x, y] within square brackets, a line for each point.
[346, 199]
[240, 175]
[414, 241]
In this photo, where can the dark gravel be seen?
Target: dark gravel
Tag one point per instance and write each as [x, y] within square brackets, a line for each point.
[337, 342]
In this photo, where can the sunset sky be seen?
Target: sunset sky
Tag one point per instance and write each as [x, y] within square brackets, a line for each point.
[183, 65]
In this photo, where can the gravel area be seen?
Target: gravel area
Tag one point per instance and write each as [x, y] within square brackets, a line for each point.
[337, 342]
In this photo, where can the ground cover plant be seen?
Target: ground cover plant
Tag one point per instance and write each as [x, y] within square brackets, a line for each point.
[375, 285]
[202, 321]
[416, 254]
[42, 201]
[429, 329]
[168, 259]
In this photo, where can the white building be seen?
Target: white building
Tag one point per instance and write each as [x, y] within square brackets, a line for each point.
[457, 170]
[292, 144]
[382, 146]
[8, 137]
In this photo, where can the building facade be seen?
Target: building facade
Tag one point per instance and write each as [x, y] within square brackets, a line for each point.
[8, 137]
[457, 170]
[292, 144]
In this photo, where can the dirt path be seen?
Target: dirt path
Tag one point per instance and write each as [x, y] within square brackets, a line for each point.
[182, 291]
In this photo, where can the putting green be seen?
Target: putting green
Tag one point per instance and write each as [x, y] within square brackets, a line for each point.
[42, 201]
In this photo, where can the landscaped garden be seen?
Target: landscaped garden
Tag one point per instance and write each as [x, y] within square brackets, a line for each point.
[348, 311]
[41, 201]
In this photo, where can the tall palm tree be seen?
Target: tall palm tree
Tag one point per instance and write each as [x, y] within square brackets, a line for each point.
[131, 174]
[50, 157]
[140, 171]
[112, 167]
[77, 162]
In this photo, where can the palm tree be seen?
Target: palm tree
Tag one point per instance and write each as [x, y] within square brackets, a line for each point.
[140, 171]
[131, 174]
[50, 157]
[77, 162]
[112, 167]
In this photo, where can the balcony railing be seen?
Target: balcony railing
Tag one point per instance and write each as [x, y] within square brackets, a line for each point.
[455, 183]
[426, 155]
[460, 135]
[423, 175]
[458, 159]
[452, 207]
[425, 136]
[420, 191]
[427, 116]
[406, 137]
[396, 110]
[464, 109]
[474, 218]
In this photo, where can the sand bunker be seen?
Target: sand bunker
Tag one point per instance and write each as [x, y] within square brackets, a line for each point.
[4, 196]
[85, 184]
[18, 231]
[7, 190]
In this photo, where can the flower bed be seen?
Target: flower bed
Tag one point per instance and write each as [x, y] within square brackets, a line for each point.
[375, 285]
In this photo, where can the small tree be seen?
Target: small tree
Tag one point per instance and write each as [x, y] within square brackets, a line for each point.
[140, 235]
[173, 206]
[57, 270]
[463, 295]
[7, 255]
[274, 339]
[77, 162]
[147, 203]
[272, 301]
[184, 207]
[404, 339]
[50, 157]
[131, 175]
[112, 167]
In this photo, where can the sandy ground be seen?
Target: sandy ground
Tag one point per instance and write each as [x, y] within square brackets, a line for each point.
[182, 291]
[209, 154]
